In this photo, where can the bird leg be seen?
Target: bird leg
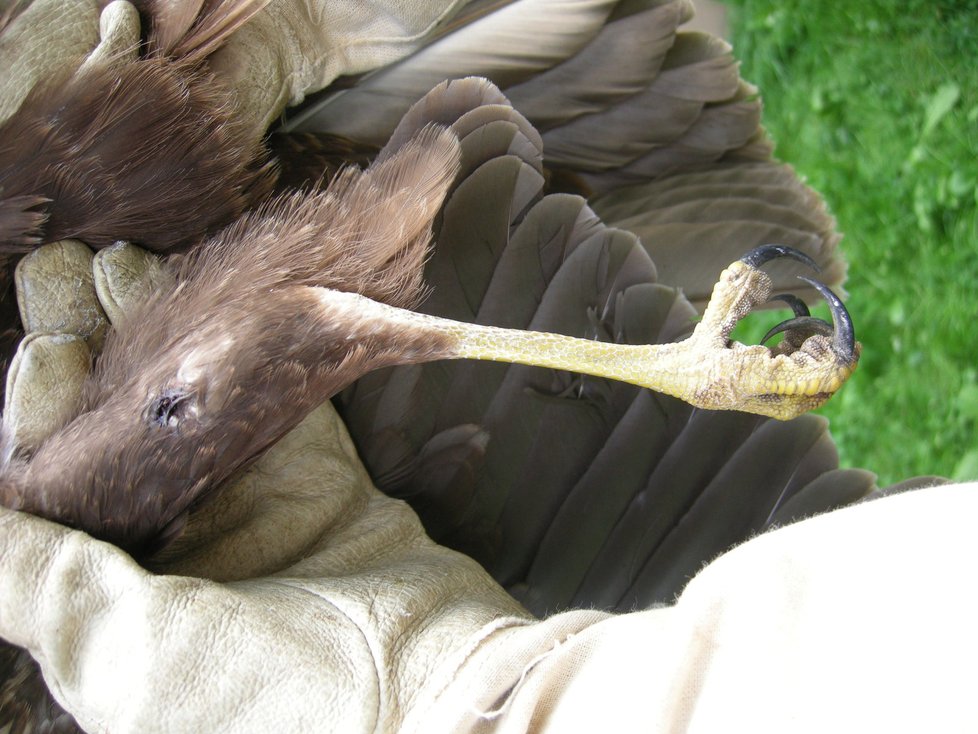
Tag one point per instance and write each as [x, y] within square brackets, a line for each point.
[707, 370]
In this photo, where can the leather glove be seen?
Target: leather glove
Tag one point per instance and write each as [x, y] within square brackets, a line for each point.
[362, 577]
[344, 635]
[297, 47]
[308, 600]
[51, 37]
[810, 627]
[289, 49]
[67, 298]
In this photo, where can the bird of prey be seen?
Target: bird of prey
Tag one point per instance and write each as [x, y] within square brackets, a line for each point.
[664, 143]
[298, 299]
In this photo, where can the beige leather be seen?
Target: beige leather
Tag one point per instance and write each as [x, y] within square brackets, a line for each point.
[44, 382]
[53, 37]
[64, 323]
[119, 31]
[67, 296]
[123, 276]
[858, 620]
[342, 637]
[49, 38]
[56, 292]
[296, 47]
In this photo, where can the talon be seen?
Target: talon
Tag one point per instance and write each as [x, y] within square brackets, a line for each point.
[798, 306]
[806, 369]
[843, 334]
[804, 326]
[765, 253]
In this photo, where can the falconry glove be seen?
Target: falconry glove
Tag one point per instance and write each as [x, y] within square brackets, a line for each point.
[378, 629]
[291, 49]
[301, 597]
[67, 296]
[275, 52]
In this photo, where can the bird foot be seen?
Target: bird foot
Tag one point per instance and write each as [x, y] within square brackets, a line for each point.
[812, 361]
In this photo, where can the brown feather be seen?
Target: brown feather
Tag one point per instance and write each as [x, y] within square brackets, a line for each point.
[26, 706]
[240, 349]
[147, 151]
[311, 160]
[193, 29]
[22, 219]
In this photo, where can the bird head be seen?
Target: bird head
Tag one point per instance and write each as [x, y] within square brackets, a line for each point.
[239, 348]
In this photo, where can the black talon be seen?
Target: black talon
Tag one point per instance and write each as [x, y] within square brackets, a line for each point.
[805, 325]
[844, 335]
[797, 305]
[765, 253]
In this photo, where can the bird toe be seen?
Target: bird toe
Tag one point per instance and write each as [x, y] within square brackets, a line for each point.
[810, 363]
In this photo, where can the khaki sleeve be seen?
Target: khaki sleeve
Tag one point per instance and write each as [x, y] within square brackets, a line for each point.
[857, 620]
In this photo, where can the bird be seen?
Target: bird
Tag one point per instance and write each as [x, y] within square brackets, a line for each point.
[539, 228]
[311, 290]
[298, 298]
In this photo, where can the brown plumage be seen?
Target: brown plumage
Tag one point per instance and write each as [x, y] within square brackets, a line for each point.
[192, 29]
[512, 502]
[25, 704]
[148, 151]
[239, 352]
[308, 160]
[21, 220]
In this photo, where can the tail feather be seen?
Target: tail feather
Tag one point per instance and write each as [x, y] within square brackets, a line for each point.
[624, 98]
[715, 213]
[601, 75]
[550, 479]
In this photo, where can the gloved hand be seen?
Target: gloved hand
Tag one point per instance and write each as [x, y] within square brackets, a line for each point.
[308, 600]
[67, 298]
[290, 49]
[372, 601]
[835, 623]
[356, 614]
[51, 37]
[296, 47]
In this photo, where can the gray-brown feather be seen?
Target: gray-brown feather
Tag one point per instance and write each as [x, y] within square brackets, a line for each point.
[621, 101]
[192, 29]
[240, 349]
[147, 151]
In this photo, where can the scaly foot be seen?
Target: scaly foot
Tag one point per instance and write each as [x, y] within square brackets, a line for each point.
[707, 369]
[812, 361]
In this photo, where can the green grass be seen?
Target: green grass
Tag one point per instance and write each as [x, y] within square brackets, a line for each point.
[876, 104]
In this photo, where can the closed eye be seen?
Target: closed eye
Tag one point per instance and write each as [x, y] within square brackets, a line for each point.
[166, 409]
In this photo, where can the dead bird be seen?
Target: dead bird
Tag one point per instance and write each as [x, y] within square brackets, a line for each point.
[301, 297]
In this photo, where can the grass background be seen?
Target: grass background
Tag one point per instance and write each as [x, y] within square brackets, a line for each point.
[875, 103]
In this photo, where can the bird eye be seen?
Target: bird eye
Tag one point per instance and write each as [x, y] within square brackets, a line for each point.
[165, 410]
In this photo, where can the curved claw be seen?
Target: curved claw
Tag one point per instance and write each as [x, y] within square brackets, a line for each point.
[806, 325]
[843, 335]
[798, 306]
[765, 253]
